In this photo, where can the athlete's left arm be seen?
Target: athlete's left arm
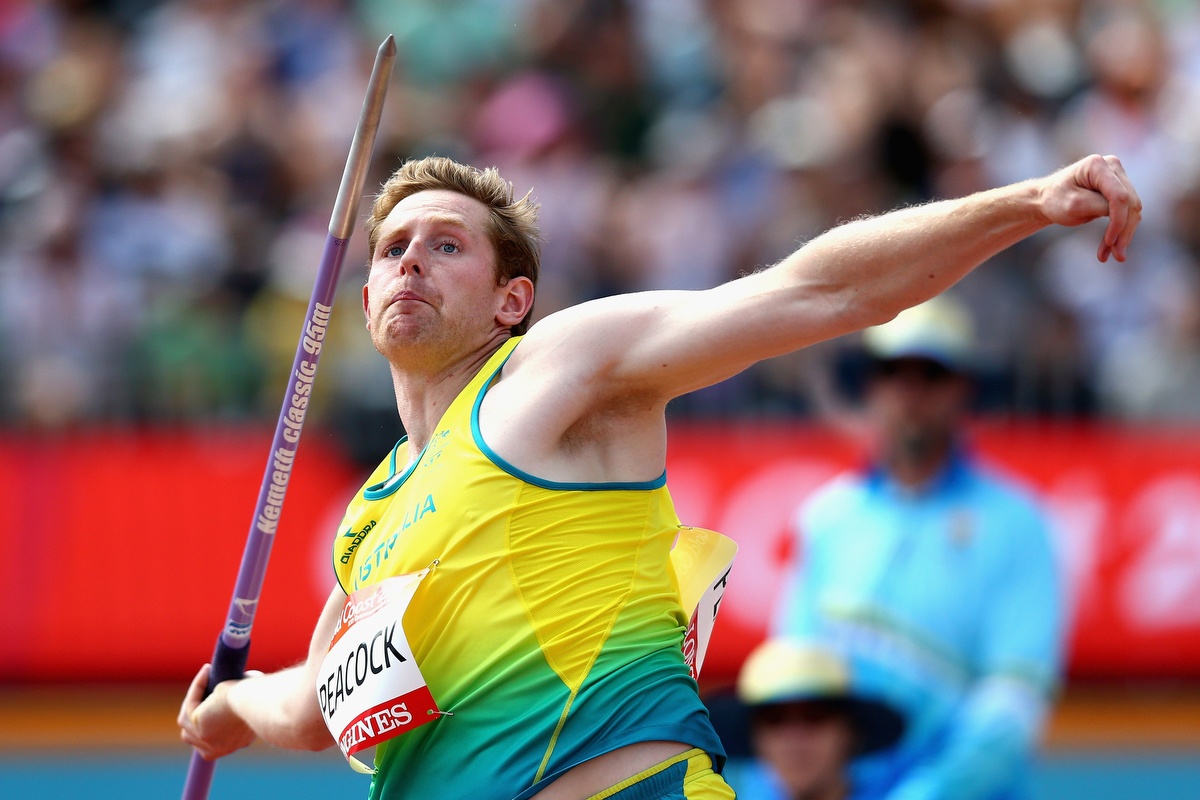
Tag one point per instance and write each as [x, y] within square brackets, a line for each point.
[663, 344]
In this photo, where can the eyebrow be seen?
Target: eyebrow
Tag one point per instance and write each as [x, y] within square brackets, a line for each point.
[449, 220]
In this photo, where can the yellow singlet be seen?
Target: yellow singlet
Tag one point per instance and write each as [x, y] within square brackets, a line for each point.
[551, 627]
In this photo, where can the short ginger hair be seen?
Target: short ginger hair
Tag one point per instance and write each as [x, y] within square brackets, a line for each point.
[512, 226]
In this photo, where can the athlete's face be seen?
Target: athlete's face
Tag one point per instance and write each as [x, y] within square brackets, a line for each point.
[431, 290]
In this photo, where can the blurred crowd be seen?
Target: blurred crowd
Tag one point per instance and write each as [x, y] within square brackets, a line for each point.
[167, 170]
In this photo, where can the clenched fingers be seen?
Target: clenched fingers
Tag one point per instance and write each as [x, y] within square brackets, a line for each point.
[187, 713]
[1107, 176]
[1134, 213]
[193, 698]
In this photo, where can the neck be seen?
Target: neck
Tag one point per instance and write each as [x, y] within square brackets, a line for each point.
[423, 395]
[915, 467]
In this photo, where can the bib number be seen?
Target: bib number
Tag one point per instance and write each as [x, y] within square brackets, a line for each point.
[369, 688]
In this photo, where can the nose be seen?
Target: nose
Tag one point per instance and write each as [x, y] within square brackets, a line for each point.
[410, 261]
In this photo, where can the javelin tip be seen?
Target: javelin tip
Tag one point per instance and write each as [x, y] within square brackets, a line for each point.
[345, 209]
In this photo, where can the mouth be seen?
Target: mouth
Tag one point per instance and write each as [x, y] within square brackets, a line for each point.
[406, 297]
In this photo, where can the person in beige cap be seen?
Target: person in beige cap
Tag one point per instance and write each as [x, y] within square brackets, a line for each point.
[806, 724]
[934, 575]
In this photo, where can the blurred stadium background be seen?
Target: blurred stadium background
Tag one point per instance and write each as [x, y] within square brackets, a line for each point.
[166, 175]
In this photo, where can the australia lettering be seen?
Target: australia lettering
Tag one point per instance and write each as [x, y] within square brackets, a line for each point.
[384, 548]
[369, 658]
[381, 552]
[418, 511]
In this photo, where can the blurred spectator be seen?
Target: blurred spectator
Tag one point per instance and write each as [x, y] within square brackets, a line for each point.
[672, 144]
[806, 724]
[934, 576]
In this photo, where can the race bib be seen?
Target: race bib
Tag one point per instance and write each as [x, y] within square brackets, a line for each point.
[702, 560]
[369, 687]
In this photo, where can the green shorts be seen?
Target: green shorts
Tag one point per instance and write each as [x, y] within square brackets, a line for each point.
[687, 776]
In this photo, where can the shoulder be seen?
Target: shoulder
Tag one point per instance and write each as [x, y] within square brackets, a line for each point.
[834, 501]
[1006, 494]
[1013, 506]
[558, 345]
[597, 333]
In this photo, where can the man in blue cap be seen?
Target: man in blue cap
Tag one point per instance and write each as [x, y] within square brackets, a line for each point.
[934, 576]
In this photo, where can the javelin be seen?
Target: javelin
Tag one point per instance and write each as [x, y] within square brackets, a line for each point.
[233, 645]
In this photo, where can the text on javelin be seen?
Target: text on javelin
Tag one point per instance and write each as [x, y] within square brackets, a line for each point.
[293, 420]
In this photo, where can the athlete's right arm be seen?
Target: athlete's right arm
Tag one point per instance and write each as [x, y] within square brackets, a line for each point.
[281, 708]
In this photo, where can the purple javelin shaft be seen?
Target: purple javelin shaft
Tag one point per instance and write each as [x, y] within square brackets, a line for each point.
[233, 645]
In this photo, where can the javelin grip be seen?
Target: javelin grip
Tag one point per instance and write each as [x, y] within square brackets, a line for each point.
[228, 664]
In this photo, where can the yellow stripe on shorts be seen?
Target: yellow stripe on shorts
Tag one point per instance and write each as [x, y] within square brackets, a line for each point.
[698, 783]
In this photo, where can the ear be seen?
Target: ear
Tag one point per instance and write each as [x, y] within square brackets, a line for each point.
[514, 300]
[367, 305]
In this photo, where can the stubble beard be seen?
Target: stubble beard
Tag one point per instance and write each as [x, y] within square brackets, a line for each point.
[425, 343]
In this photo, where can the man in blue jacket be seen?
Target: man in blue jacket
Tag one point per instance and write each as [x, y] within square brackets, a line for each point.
[934, 576]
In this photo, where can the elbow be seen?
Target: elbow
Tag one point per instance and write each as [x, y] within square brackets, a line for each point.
[302, 718]
[855, 310]
[310, 733]
[879, 316]
[317, 740]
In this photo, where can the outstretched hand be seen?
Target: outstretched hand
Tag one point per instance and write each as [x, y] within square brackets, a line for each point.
[1094, 187]
[209, 724]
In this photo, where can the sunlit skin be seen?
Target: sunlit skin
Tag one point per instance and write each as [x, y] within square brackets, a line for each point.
[432, 302]
[915, 413]
[431, 293]
[583, 398]
[808, 747]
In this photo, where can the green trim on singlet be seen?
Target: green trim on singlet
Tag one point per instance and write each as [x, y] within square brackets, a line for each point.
[389, 485]
[613, 486]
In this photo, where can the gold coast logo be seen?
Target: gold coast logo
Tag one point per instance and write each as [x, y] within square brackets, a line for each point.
[434, 451]
[356, 538]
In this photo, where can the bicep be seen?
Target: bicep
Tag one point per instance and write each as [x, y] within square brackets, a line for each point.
[306, 711]
[323, 632]
[668, 343]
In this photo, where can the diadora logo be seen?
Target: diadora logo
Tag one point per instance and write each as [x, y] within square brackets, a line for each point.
[434, 450]
[357, 538]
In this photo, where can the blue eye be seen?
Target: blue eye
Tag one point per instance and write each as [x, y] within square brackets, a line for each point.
[395, 251]
[448, 248]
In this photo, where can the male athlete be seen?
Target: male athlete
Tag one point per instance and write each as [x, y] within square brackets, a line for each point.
[532, 481]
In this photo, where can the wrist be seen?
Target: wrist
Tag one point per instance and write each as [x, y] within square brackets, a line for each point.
[225, 695]
[1032, 197]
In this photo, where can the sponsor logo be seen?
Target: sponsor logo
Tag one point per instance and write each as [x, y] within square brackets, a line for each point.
[374, 726]
[357, 539]
[238, 631]
[268, 519]
[436, 447]
[293, 420]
